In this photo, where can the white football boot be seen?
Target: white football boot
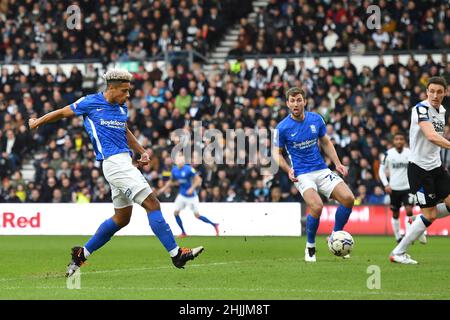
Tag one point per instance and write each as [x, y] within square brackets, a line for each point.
[403, 258]
[310, 254]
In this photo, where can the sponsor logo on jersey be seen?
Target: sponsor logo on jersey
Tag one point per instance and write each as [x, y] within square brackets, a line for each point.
[438, 126]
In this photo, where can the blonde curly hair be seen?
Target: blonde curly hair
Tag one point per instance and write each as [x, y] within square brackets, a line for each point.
[118, 75]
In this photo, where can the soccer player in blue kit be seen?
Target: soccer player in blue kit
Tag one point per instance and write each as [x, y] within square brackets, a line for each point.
[299, 133]
[188, 180]
[105, 120]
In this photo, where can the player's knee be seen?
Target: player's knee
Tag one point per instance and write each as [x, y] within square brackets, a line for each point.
[430, 214]
[151, 203]
[122, 221]
[348, 200]
[176, 213]
[316, 209]
[197, 215]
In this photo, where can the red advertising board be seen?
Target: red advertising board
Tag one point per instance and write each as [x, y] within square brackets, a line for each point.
[375, 220]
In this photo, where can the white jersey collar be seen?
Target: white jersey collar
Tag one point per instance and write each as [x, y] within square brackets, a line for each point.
[426, 103]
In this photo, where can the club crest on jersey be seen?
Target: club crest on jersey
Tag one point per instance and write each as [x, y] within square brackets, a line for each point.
[313, 128]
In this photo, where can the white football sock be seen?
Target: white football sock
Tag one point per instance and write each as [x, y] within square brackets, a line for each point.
[442, 210]
[174, 252]
[417, 228]
[310, 245]
[86, 253]
[396, 227]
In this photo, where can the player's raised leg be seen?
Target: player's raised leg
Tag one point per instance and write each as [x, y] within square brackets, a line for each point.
[103, 234]
[315, 205]
[345, 197]
[162, 230]
[206, 220]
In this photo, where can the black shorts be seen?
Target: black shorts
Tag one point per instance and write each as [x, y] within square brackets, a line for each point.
[399, 198]
[430, 187]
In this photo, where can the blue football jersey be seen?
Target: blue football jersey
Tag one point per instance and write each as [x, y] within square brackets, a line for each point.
[105, 123]
[300, 138]
[184, 177]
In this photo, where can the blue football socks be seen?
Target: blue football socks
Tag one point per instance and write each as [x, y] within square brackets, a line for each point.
[312, 224]
[204, 219]
[341, 218]
[161, 229]
[104, 233]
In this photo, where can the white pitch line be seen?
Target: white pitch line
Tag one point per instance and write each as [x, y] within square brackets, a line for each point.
[143, 269]
[262, 290]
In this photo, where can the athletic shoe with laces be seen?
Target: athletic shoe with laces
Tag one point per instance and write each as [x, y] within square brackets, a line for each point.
[77, 261]
[310, 254]
[184, 255]
[216, 227]
[403, 258]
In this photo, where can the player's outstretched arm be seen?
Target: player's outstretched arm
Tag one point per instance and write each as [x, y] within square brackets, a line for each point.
[330, 151]
[136, 147]
[432, 136]
[56, 115]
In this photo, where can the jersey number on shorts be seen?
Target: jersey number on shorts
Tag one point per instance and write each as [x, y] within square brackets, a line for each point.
[332, 176]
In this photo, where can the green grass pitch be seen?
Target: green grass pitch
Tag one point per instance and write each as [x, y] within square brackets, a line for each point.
[260, 268]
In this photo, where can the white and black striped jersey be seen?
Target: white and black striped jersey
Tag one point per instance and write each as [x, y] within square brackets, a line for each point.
[424, 153]
[396, 163]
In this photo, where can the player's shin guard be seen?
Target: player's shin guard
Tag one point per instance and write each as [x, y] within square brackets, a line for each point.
[104, 233]
[162, 230]
[419, 225]
[312, 224]
[342, 215]
[442, 210]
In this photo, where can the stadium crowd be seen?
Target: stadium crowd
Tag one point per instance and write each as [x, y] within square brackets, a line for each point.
[322, 27]
[112, 30]
[362, 111]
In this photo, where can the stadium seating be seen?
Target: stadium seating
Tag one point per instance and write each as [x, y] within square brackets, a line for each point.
[363, 103]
